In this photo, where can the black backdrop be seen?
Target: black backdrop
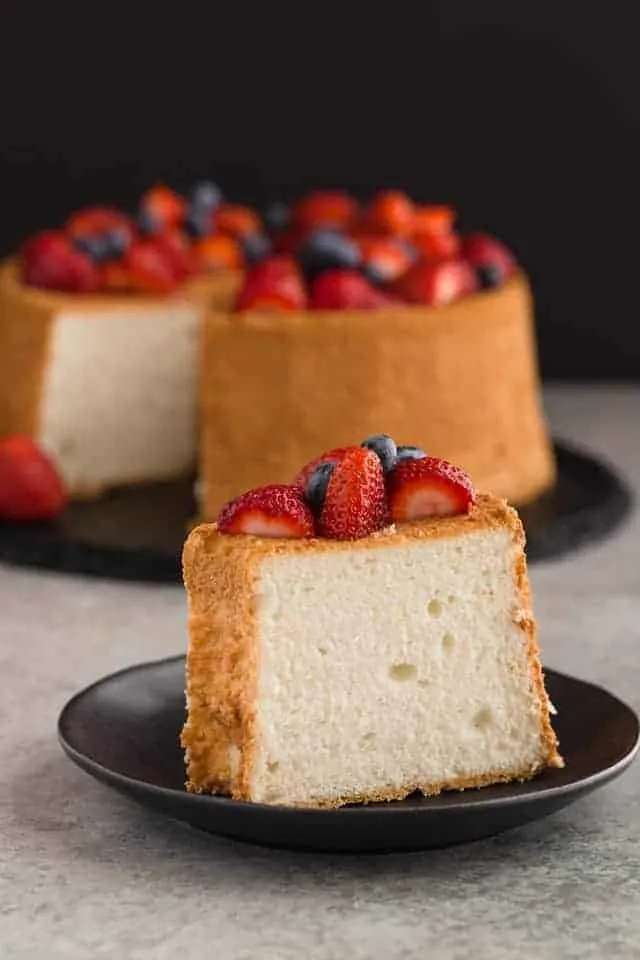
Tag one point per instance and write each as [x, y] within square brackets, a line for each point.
[526, 115]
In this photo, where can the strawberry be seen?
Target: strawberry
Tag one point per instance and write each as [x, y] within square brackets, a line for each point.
[392, 211]
[437, 284]
[219, 252]
[355, 504]
[49, 260]
[437, 246]
[428, 487]
[325, 208]
[98, 221]
[177, 247]
[342, 289]
[236, 220]
[491, 258]
[433, 220]
[30, 487]
[149, 268]
[115, 278]
[163, 206]
[331, 456]
[274, 284]
[384, 259]
[277, 510]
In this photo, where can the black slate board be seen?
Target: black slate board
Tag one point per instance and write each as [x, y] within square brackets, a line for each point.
[137, 533]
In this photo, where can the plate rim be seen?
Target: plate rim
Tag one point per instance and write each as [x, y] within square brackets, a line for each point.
[471, 802]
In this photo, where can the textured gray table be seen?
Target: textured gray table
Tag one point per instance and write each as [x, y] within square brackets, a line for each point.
[86, 874]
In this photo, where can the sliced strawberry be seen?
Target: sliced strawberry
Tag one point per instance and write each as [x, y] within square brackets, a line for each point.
[343, 289]
[149, 268]
[164, 206]
[434, 247]
[435, 220]
[331, 456]
[325, 208]
[355, 502]
[98, 221]
[392, 211]
[30, 487]
[428, 487]
[179, 250]
[236, 220]
[485, 252]
[437, 284]
[219, 252]
[384, 259]
[50, 261]
[274, 284]
[277, 510]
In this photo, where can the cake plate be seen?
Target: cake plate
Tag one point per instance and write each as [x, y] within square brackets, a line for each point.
[124, 731]
[137, 533]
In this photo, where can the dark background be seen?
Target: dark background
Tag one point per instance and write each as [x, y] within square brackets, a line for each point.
[525, 115]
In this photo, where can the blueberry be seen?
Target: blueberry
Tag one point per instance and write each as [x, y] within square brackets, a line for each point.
[384, 446]
[375, 273]
[257, 246]
[197, 222]
[206, 195]
[326, 250]
[277, 217]
[147, 224]
[406, 452]
[94, 246]
[489, 275]
[316, 489]
[117, 240]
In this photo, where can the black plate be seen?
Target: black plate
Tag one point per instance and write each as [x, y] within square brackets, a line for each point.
[124, 730]
[137, 533]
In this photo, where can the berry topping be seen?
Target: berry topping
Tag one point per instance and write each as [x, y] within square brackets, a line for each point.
[256, 246]
[437, 246]
[428, 487]
[30, 487]
[392, 211]
[433, 220]
[315, 490]
[355, 504]
[483, 251]
[236, 220]
[219, 252]
[277, 510]
[99, 221]
[384, 446]
[274, 284]
[325, 208]
[198, 222]
[437, 284]
[51, 261]
[339, 289]
[177, 248]
[163, 206]
[489, 276]
[407, 452]
[148, 224]
[149, 267]
[326, 249]
[94, 246]
[205, 195]
[331, 456]
[384, 259]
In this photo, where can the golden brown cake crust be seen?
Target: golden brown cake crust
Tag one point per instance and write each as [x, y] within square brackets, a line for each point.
[461, 381]
[220, 573]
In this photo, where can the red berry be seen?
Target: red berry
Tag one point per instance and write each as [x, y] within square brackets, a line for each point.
[331, 456]
[325, 208]
[392, 211]
[219, 252]
[164, 206]
[481, 251]
[384, 258]
[277, 510]
[433, 220]
[274, 284]
[355, 503]
[428, 488]
[437, 284]
[434, 247]
[50, 261]
[149, 268]
[236, 220]
[342, 289]
[96, 221]
[30, 487]
[179, 251]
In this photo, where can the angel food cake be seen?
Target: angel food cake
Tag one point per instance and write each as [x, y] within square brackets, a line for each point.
[362, 633]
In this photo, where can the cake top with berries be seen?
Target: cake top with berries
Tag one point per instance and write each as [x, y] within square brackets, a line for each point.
[331, 252]
[352, 493]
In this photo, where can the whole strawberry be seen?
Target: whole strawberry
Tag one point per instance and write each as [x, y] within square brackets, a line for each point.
[355, 502]
[30, 486]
